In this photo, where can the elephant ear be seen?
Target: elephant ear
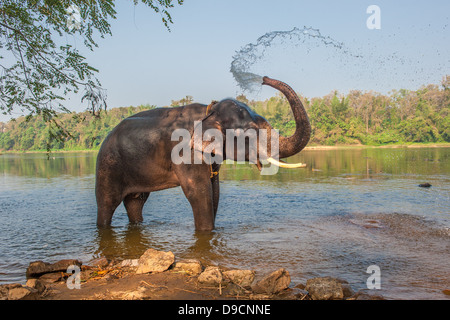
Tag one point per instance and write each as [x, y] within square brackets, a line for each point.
[208, 138]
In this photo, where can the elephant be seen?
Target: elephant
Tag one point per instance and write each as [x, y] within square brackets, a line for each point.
[135, 158]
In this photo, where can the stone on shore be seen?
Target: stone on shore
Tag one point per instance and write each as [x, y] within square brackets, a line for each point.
[190, 266]
[155, 261]
[39, 268]
[293, 294]
[211, 276]
[4, 289]
[16, 291]
[53, 277]
[274, 282]
[22, 293]
[36, 284]
[101, 262]
[365, 294]
[243, 278]
[328, 288]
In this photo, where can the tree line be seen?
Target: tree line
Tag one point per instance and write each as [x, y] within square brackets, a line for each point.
[367, 117]
[359, 117]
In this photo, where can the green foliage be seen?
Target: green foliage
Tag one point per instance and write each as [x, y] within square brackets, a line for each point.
[182, 102]
[87, 131]
[38, 67]
[368, 118]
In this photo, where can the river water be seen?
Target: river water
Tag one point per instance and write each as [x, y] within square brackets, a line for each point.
[348, 210]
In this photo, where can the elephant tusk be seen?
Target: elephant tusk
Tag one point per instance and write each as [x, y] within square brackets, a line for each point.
[285, 165]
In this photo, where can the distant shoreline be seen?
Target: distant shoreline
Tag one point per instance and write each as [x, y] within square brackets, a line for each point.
[387, 146]
[313, 147]
[51, 151]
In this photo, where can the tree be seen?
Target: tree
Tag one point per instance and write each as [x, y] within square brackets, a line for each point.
[182, 102]
[38, 68]
[243, 98]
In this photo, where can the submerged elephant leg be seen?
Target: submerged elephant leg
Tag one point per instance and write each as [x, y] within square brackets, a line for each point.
[133, 204]
[196, 185]
[215, 193]
[108, 193]
[105, 209]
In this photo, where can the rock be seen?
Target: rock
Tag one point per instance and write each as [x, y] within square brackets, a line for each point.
[328, 288]
[348, 291]
[155, 261]
[16, 291]
[36, 284]
[130, 263]
[3, 292]
[425, 185]
[190, 266]
[99, 262]
[38, 268]
[211, 276]
[22, 293]
[243, 278]
[365, 295]
[293, 294]
[273, 282]
[4, 289]
[51, 277]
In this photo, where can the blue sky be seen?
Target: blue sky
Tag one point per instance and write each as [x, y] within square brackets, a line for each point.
[144, 63]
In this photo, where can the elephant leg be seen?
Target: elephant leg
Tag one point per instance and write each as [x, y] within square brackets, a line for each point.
[196, 185]
[133, 204]
[215, 193]
[106, 205]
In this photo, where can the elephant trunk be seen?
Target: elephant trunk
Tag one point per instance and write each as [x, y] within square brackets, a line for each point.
[289, 146]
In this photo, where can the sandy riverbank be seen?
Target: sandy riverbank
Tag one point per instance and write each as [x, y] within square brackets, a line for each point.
[157, 276]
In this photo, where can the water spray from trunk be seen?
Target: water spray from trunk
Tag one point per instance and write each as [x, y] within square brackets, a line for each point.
[252, 53]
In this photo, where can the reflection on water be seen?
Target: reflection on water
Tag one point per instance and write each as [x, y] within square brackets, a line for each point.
[348, 210]
[39, 165]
